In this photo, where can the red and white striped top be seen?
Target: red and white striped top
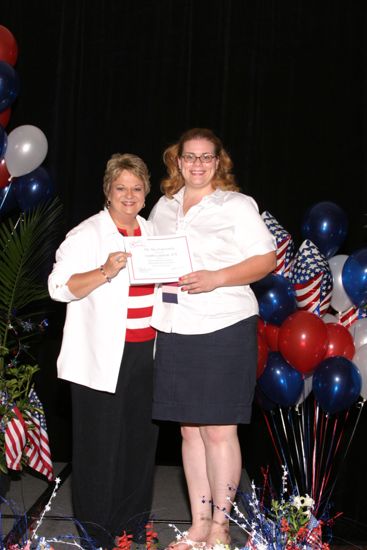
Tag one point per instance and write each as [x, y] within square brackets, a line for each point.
[139, 308]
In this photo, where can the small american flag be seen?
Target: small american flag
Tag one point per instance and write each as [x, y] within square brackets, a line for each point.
[312, 279]
[37, 448]
[15, 440]
[284, 242]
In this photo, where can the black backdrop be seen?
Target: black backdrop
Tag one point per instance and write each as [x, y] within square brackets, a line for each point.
[282, 83]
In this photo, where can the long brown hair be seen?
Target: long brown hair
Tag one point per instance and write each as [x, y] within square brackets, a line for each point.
[223, 177]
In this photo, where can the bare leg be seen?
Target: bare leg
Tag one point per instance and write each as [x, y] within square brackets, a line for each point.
[194, 463]
[212, 464]
[223, 465]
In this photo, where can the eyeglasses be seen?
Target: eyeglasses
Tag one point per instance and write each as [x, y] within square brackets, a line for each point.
[205, 158]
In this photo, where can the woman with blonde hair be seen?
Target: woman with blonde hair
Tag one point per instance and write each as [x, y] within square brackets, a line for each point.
[107, 355]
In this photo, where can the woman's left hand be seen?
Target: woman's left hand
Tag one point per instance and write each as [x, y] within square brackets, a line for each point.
[199, 281]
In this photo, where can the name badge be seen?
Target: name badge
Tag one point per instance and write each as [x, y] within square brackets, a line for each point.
[170, 293]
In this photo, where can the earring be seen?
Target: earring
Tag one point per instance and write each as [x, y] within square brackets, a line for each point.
[108, 203]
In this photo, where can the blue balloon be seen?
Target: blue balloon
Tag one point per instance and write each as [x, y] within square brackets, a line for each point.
[280, 381]
[8, 202]
[326, 225]
[336, 384]
[33, 188]
[354, 277]
[276, 297]
[3, 141]
[9, 85]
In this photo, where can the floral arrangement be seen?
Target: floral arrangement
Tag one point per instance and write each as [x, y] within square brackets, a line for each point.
[294, 517]
[287, 523]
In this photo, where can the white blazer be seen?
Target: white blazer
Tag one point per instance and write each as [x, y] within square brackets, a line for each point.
[94, 330]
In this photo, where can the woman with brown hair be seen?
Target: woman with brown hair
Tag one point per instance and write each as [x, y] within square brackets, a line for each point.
[205, 364]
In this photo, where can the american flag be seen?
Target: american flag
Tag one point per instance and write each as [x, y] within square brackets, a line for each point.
[37, 448]
[285, 245]
[312, 279]
[15, 439]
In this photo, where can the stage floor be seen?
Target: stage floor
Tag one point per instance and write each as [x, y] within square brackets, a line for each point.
[29, 493]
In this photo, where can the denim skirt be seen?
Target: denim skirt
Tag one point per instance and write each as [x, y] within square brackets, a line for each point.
[206, 378]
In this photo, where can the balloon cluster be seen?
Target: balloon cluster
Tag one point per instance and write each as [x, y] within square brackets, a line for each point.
[24, 183]
[312, 333]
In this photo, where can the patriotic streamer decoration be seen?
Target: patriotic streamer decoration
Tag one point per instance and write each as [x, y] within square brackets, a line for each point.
[311, 437]
[312, 444]
[285, 244]
[312, 279]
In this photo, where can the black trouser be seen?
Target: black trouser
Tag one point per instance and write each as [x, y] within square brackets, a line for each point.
[114, 445]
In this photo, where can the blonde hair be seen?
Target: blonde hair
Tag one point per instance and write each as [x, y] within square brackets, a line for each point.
[132, 163]
[223, 178]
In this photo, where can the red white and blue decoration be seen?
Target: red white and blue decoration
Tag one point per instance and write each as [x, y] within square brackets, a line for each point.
[285, 244]
[312, 280]
[312, 377]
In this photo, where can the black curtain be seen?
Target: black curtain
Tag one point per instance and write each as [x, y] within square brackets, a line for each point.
[282, 83]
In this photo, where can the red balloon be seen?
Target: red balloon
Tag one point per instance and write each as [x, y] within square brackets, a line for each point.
[340, 341]
[8, 46]
[303, 340]
[262, 354]
[271, 335]
[4, 174]
[5, 117]
[260, 325]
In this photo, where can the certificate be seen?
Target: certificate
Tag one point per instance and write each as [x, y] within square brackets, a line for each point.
[160, 259]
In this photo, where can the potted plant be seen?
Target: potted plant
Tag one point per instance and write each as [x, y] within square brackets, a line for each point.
[26, 249]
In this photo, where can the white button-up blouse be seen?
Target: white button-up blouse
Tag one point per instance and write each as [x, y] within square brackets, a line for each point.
[225, 228]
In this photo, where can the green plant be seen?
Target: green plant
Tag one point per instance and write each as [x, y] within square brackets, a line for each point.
[293, 515]
[26, 248]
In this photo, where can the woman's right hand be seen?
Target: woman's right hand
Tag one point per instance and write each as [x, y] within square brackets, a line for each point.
[82, 284]
[115, 262]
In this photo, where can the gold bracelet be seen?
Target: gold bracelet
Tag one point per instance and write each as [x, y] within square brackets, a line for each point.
[108, 279]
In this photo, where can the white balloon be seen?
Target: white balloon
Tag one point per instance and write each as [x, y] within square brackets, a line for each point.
[340, 300]
[360, 360]
[359, 332]
[26, 150]
[328, 318]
